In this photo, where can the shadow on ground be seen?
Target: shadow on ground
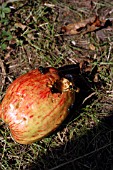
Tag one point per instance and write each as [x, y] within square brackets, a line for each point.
[91, 151]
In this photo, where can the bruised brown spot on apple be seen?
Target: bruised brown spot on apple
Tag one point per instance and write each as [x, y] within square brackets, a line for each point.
[17, 105]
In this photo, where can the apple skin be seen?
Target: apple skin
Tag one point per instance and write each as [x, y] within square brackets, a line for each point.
[31, 109]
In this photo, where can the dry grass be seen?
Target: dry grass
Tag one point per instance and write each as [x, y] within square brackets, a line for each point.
[84, 140]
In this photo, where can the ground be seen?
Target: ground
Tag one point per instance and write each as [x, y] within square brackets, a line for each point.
[31, 36]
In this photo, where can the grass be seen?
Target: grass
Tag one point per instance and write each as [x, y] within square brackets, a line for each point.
[84, 140]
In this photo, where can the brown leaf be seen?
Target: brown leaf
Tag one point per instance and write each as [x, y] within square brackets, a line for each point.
[92, 47]
[96, 78]
[20, 25]
[7, 55]
[85, 26]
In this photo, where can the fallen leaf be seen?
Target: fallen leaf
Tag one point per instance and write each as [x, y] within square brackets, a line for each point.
[100, 34]
[7, 55]
[30, 36]
[85, 26]
[20, 25]
[92, 47]
[49, 5]
[96, 78]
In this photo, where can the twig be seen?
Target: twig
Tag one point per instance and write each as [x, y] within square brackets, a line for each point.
[3, 74]
[109, 52]
[88, 97]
